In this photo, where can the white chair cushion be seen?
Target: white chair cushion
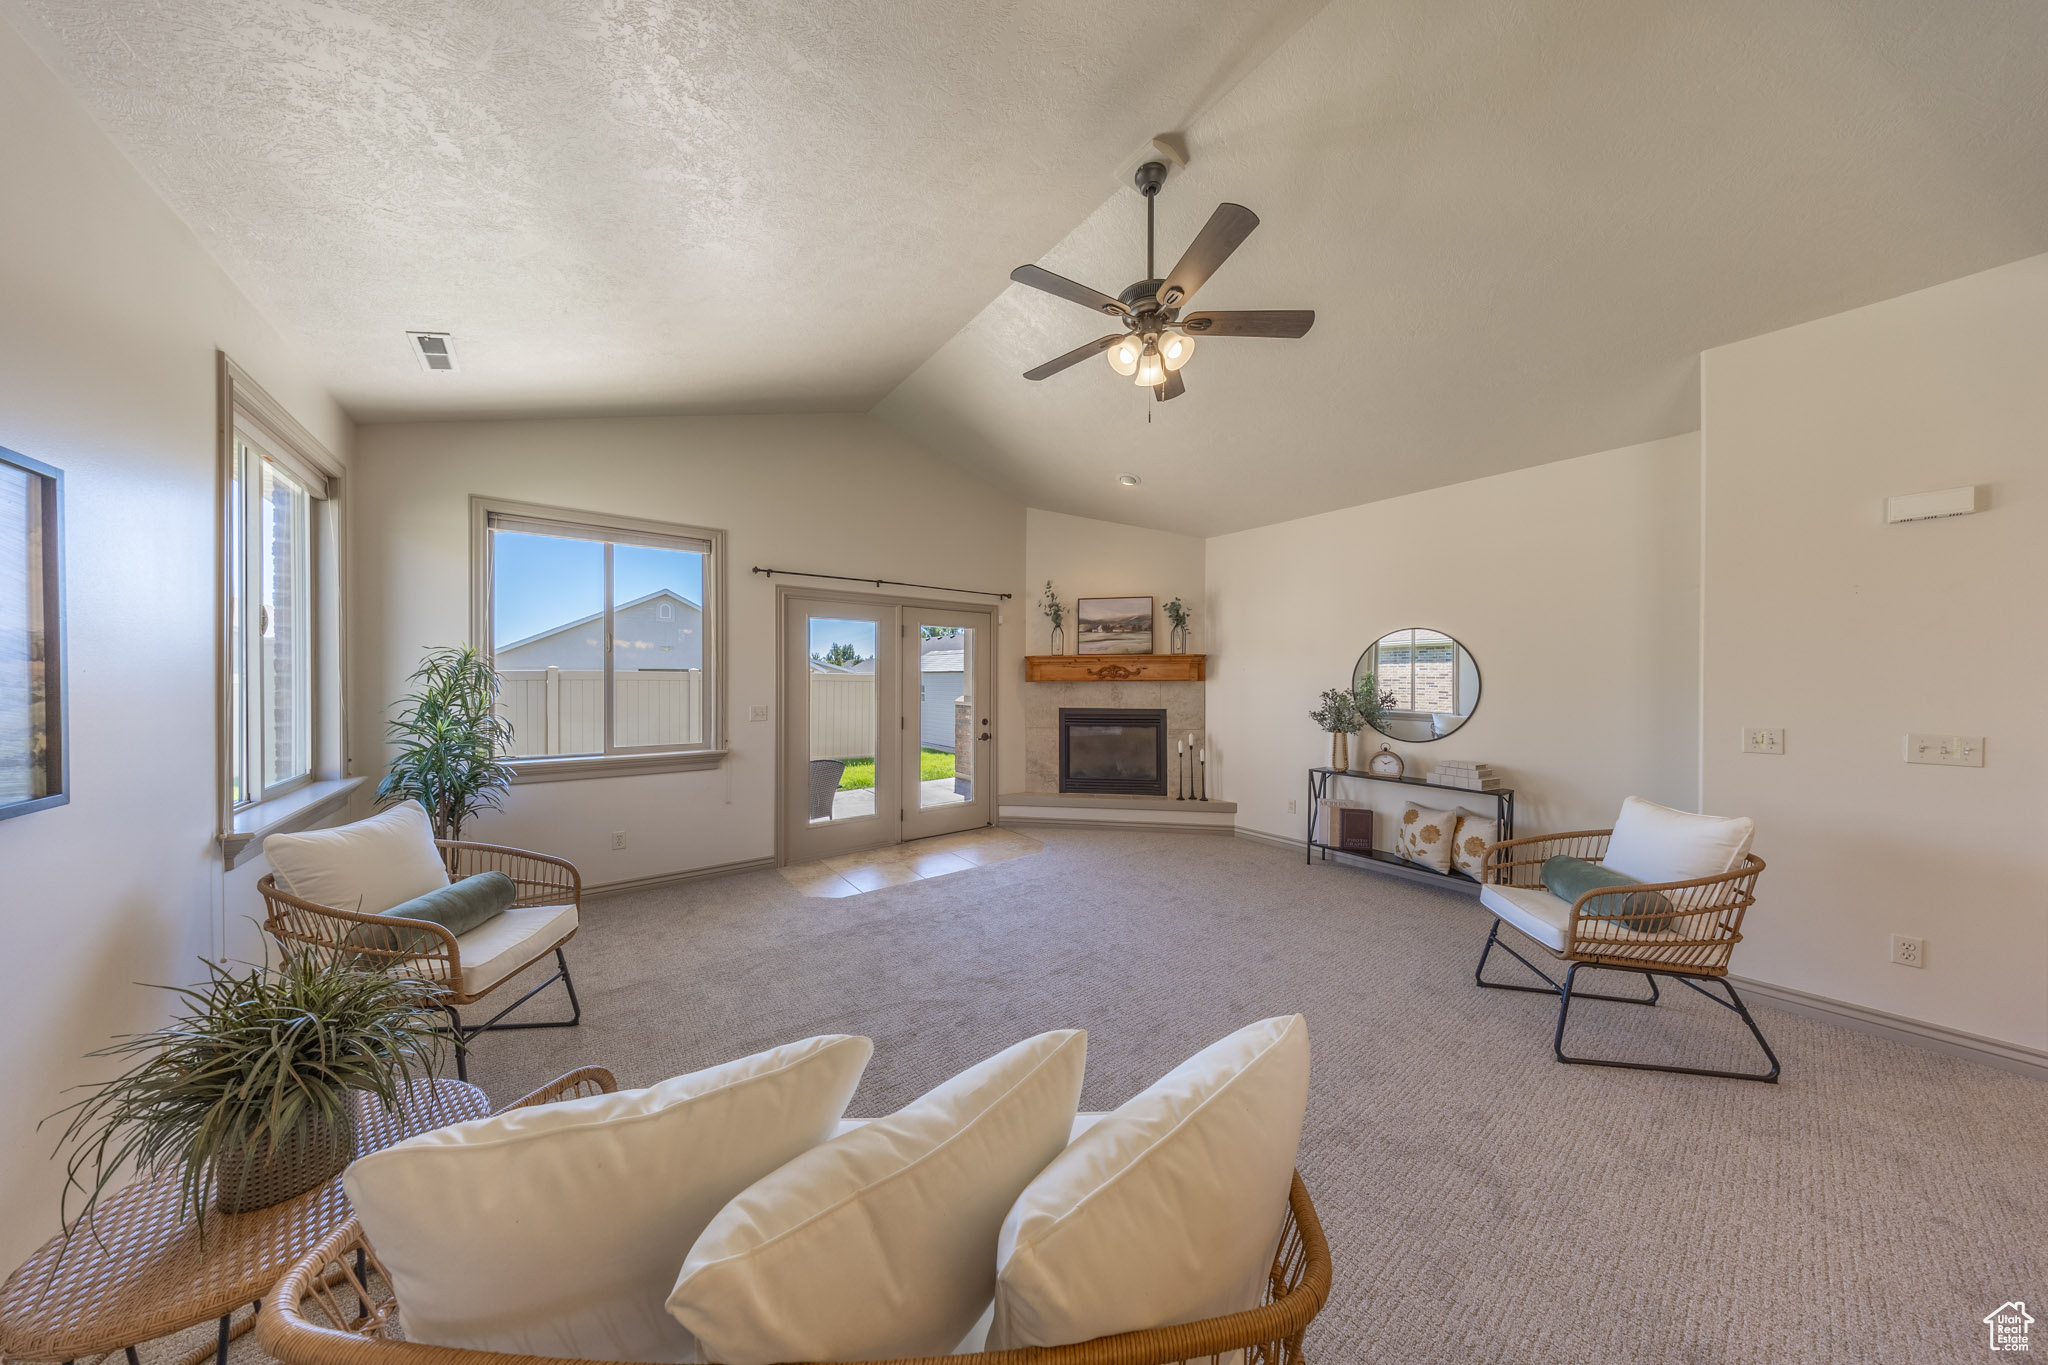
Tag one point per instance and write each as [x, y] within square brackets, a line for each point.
[1531, 909]
[1654, 843]
[1547, 919]
[367, 867]
[1082, 1123]
[556, 1230]
[879, 1243]
[504, 943]
[1167, 1211]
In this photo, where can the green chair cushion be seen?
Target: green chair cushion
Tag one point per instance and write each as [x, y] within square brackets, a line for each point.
[458, 907]
[1568, 879]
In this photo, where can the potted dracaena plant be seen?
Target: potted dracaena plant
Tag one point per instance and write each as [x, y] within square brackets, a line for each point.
[1338, 714]
[251, 1086]
[450, 739]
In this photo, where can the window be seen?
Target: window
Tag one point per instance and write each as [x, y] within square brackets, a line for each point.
[271, 565]
[604, 632]
[1420, 667]
[32, 768]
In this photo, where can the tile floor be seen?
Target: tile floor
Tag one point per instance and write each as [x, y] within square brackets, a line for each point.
[853, 873]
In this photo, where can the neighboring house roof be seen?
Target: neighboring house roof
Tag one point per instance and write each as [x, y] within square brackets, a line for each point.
[864, 666]
[595, 616]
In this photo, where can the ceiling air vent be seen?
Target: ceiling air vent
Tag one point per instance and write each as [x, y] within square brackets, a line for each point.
[436, 350]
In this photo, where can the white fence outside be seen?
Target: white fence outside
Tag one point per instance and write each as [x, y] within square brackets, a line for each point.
[561, 710]
[842, 715]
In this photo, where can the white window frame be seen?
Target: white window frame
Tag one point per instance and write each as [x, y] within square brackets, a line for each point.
[248, 415]
[487, 512]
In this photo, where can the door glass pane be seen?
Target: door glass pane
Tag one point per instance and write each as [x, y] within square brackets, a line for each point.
[842, 673]
[24, 739]
[547, 636]
[947, 721]
[285, 606]
[239, 784]
[657, 647]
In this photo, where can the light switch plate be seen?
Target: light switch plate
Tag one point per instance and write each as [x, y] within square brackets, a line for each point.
[1947, 751]
[1757, 739]
[760, 713]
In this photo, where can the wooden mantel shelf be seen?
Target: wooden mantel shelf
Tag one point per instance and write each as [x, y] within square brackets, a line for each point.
[1116, 667]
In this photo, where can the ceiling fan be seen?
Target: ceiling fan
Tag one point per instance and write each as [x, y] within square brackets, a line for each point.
[1157, 340]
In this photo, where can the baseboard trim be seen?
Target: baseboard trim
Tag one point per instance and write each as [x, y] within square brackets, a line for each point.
[1127, 826]
[2017, 1058]
[695, 874]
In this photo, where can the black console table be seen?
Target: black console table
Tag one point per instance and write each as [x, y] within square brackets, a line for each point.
[1319, 779]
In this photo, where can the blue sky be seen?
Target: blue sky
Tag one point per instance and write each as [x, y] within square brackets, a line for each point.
[547, 581]
[826, 633]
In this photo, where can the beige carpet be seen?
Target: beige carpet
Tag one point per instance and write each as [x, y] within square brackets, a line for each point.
[1483, 1202]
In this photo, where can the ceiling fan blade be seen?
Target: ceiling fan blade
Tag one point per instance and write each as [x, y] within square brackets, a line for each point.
[1270, 322]
[1171, 389]
[1227, 227]
[1068, 289]
[1074, 357]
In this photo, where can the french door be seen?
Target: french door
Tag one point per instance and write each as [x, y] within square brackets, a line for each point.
[886, 731]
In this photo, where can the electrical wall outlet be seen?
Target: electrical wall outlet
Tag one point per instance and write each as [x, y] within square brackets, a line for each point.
[1947, 751]
[618, 839]
[1758, 740]
[760, 713]
[1909, 952]
[1290, 808]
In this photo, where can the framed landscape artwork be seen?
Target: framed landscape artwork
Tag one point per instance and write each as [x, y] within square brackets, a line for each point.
[32, 770]
[1113, 625]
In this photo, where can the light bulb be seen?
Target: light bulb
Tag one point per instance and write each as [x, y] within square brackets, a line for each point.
[1175, 349]
[1123, 357]
[1151, 370]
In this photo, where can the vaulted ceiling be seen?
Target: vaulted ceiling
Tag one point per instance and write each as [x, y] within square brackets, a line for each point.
[1519, 223]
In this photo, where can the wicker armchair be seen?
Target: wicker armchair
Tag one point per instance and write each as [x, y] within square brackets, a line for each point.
[310, 1320]
[1687, 935]
[464, 972]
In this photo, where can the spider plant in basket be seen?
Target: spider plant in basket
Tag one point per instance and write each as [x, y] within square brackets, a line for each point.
[251, 1086]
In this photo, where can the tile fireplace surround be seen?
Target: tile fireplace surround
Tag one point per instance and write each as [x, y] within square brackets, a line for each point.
[1182, 702]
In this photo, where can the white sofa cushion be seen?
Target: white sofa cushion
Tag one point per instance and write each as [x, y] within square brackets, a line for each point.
[502, 945]
[880, 1243]
[557, 1230]
[367, 867]
[1167, 1211]
[1654, 843]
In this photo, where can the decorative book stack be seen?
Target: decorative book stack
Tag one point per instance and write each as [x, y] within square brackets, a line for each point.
[1466, 775]
[1344, 824]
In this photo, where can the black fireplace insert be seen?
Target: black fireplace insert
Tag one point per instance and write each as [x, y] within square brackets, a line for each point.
[1121, 751]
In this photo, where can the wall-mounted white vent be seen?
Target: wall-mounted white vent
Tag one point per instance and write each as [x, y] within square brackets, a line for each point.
[1946, 502]
[436, 350]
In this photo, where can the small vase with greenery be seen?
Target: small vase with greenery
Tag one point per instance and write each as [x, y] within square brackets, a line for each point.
[450, 740]
[251, 1086]
[1057, 614]
[1178, 615]
[1338, 715]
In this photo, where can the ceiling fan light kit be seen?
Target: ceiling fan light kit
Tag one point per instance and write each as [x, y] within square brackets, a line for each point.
[1157, 341]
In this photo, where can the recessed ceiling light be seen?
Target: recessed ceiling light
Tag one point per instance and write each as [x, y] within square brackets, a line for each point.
[435, 350]
[1129, 480]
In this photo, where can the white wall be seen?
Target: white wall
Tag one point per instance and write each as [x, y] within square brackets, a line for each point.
[838, 494]
[1088, 558]
[111, 317]
[1849, 633]
[1527, 570]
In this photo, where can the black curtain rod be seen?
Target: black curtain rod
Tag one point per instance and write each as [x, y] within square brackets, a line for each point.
[879, 582]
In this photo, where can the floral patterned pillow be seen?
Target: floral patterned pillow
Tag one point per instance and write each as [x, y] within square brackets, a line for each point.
[1468, 847]
[1427, 836]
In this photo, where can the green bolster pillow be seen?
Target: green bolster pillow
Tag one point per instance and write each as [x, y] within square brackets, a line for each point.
[458, 907]
[1646, 912]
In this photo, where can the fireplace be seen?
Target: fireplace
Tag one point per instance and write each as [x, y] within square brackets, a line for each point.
[1121, 751]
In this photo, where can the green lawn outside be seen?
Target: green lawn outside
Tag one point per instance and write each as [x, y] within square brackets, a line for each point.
[932, 764]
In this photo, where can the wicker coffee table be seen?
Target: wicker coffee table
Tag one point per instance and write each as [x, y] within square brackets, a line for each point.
[138, 1274]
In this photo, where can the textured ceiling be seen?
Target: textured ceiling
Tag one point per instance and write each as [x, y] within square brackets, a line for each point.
[1519, 224]
[739, 205]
